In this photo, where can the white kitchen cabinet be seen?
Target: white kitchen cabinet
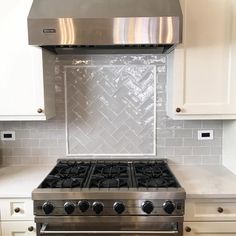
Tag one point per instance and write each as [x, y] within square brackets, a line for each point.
[21, 228]
[26, 72]
[17, 217]
[210, 217]
[201, 71]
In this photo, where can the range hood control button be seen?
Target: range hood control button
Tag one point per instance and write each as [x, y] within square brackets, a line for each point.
[83, 206]
[48, 208]
[147, 207]
[69, 207]
[97, 207]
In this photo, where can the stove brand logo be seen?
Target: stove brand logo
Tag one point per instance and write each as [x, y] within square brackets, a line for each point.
[49, 31]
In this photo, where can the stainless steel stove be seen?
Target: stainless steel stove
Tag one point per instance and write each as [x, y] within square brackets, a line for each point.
[109, 198]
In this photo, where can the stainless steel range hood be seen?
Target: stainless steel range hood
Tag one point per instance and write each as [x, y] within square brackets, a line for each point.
[69, 26]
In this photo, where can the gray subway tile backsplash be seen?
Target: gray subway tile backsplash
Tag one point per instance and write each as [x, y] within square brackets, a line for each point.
[116, 108]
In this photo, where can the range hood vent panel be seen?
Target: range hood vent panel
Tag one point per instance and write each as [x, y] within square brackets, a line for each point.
[105, 23]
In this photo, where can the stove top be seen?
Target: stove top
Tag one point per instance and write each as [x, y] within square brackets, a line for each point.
[107, 174]
[109, 188]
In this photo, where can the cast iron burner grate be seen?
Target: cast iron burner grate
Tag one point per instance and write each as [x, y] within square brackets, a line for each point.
[110, 175]
[154, 175]
[67, 174]
[72, 174]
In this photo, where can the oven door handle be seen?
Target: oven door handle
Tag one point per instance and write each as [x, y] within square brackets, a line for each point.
[45, 231]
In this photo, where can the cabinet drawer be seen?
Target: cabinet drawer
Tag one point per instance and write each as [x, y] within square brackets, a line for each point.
[16, 209]
[210, 209]
[22, 228]
[209, 229]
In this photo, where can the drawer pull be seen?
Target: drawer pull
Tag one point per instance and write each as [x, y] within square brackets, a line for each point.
[31, 228]
[188, 229]
[220, 209]
[17, 210]
[40, 110]
[178, 110]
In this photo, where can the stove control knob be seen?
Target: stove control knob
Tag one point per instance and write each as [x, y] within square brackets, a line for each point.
[47, 208]
[97, 207]
[147, 207]
[83, 206]
[119, 207]
[69, 207]
[169, 207]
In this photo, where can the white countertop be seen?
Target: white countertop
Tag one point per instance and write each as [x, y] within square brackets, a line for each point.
[198, 181]
[19, 181]
[206, 181]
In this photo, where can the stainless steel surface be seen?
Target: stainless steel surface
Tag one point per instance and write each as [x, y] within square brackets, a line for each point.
[132, 207]
[105, 23]
[139, 222]
[136, 194]
[138, 225]
[45, 231]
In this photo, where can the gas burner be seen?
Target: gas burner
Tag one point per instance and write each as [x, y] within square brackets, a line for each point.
[113, 169]
[71, 167]
[110, 175]
[101, 182]
[63, 181]
[154, 175]
[161, 182]
[67, 174]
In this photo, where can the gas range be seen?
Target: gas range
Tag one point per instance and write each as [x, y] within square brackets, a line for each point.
[143, 196]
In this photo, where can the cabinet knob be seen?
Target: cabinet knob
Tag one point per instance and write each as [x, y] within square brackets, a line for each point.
[30, 228]
[40, 110]
[188, 229]
[220, 209]
[178, 110]
[17, 210]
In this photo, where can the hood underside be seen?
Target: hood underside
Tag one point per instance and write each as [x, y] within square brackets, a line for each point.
[69, 26]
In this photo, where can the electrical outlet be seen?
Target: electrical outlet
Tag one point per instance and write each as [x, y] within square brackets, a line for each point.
[205, 134]
[8, 135]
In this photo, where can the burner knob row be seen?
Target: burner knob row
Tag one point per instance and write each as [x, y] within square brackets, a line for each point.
[119, 207]
[148, 207]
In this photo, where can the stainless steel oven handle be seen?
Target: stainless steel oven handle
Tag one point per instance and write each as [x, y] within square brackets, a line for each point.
[45, 231]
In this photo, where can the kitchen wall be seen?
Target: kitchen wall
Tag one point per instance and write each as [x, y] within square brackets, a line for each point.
[115, 109]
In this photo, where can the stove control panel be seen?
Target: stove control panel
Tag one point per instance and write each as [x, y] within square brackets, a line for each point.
[110, 207]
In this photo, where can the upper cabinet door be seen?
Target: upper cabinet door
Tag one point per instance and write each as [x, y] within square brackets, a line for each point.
[202, 71]
[23, 90]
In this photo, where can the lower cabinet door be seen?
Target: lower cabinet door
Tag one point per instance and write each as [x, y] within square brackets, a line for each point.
[18, 228]
[209, 228]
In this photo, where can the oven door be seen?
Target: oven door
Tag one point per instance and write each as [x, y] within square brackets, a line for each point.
[110, 226]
